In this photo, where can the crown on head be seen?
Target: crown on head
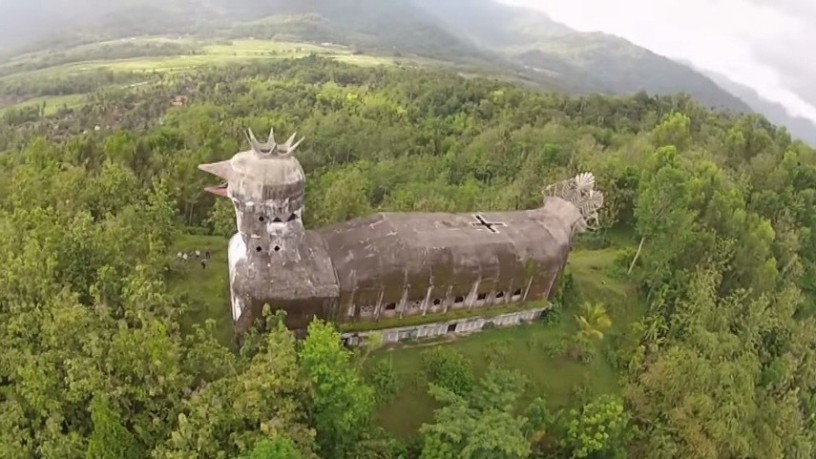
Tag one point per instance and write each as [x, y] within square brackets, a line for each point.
[270, 147]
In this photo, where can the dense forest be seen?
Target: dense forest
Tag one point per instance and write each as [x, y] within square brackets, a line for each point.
[716, 211]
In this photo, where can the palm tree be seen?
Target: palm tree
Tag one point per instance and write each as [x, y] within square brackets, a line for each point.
[594, 321]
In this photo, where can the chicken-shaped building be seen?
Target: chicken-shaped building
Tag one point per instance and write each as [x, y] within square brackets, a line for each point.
[387, 265]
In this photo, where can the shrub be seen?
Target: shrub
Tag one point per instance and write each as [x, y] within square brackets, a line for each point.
[620, 266]
[593, 240]
[448, 369]
[384, 381]
[496, 353]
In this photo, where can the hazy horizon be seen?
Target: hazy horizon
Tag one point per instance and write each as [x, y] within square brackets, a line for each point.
[720, 36]
[761, 44]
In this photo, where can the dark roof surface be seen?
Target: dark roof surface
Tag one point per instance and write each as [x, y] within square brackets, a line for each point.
[394, 248]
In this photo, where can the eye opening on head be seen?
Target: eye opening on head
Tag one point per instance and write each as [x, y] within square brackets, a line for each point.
[259, 249]
[276, 248]
[292, 217]
[261, 219]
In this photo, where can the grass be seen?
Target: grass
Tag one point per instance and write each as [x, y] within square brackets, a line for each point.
[206, 291]
[527, 348]
[213, 54]
[522, 348]
[52, 103]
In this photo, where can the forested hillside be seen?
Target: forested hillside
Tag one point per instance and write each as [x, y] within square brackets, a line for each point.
[709, 220]
[486, 35]
[580, 62]
[799, 127]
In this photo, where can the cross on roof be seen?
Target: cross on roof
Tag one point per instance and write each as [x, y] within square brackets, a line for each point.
[482, 223]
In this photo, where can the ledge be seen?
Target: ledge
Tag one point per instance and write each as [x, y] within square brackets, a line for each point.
[411, 321]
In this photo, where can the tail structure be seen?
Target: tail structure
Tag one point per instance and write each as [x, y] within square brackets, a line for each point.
[580, 191]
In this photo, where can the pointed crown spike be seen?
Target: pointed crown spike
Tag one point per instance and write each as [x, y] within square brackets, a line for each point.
[290, 141]
[293, 147]
[271, 147]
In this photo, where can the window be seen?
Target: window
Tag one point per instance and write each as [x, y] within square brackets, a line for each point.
[451, 328]
[517, 292]
[481, 296]
[459, 299]
[391, 306]
[437, 302]
[499, 295]
[277, 220]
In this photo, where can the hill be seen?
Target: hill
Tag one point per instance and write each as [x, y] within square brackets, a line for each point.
[639, 353]
[487, 35]
[799, 127]
[583, 62]
[480, 36]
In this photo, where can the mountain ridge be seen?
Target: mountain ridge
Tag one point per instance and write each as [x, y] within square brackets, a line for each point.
[798, 126]
[486, 34]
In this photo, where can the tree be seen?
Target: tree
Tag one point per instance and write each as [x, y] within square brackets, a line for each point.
[341, 404]
[480, 424]
[599, 429]
[276, 448]
[593, 321]
[110, 439]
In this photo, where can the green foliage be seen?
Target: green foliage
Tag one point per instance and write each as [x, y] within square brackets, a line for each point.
[110, 439]
[342, 405]
[593, 321]
[276, 448]
[599, 429]
[384, 381]
[673, 131]
[720, 365]
[448, 369]
[479, 424]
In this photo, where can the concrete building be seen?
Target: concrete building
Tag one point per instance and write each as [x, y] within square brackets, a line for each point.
[386, 265]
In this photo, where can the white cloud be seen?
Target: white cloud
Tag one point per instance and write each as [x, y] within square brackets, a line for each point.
[762, 44]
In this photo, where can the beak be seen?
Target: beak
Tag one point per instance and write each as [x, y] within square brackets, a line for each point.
[221, 169]
[220, 190]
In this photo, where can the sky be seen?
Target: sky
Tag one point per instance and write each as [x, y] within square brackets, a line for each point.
[767, 45]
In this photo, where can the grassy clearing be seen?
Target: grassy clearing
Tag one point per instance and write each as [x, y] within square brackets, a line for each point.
[522, 348]
[527, 348]
[213, 54]
[52, 103]
[206, 291]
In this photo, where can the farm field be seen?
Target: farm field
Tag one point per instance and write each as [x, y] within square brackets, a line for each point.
[220, 53]
[206, 54]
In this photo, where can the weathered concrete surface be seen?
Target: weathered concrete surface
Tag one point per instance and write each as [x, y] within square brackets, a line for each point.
[388, 264]
[400, 264]
[439, 329]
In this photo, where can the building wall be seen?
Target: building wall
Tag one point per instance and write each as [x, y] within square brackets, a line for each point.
[439, 329]
[443, 299]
